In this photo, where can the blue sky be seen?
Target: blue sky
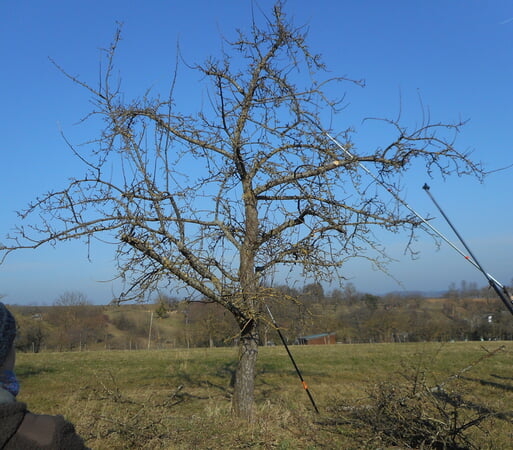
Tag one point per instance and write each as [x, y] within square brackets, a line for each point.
[456, 56]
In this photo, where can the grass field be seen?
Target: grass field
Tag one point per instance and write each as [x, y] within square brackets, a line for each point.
[180, 399]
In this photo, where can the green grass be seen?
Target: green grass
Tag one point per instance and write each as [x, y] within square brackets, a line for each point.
[181, 398]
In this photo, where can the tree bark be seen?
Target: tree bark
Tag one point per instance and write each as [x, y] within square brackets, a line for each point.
[243, 396]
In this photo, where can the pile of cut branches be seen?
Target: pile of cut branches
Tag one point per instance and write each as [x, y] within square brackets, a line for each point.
[415, 414]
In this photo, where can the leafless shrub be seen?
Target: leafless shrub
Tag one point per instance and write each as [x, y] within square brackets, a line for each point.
[415, 414]
[129, 421]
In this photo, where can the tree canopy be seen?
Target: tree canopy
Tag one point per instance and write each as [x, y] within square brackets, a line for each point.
[221, 200]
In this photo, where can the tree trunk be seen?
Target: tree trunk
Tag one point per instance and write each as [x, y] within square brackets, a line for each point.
[243, 396]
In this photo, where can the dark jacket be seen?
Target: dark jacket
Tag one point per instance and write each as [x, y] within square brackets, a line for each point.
[20, 429]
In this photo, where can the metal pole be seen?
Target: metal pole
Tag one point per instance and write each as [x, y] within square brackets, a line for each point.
[305, 386]
[500, 290]
[149, 334]
[393, 194]
[405, 204]
[498, 287]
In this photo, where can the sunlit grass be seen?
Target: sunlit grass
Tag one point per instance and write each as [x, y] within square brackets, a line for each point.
[185, 394]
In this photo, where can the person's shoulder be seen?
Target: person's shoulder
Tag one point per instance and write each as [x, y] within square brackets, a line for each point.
[39, 428]
[49, 431]
[6, 397]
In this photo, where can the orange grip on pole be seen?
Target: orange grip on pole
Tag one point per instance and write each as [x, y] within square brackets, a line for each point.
[304, 385]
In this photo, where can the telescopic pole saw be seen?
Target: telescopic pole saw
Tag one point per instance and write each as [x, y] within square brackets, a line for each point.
[305, 386]
[499, 289]
[394, 194]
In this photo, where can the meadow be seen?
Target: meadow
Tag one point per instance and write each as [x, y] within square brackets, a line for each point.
[180, 398]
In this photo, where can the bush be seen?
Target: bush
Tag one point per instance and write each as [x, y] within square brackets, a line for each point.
[413, 414]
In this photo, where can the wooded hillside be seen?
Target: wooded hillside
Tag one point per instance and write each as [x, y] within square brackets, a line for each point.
[73, 323]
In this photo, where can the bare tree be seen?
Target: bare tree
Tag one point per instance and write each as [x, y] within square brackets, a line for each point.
[77, 321]
[221, 200]
[72, 298]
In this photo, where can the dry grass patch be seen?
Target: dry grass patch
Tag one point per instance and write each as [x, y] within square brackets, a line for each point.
[180, 399]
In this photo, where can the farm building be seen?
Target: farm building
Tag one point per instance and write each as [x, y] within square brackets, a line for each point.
[318, 339]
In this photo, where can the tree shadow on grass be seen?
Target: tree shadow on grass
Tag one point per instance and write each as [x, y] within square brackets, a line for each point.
[500, 377]
[504, 387]
[457, 401]
[27, 371]
[228, 370]
[201, 380]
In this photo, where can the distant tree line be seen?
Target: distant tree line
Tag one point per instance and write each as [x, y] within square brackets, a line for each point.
[464, 313]
[73, 323]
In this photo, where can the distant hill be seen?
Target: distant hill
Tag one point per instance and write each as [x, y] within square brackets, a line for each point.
[400, 316]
